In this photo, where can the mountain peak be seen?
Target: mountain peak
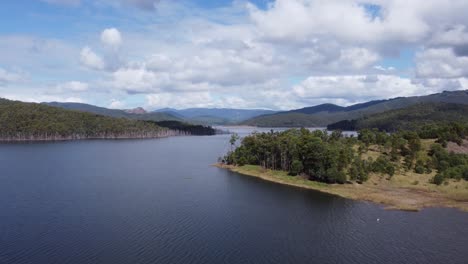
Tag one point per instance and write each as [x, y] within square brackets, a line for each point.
[138, 111]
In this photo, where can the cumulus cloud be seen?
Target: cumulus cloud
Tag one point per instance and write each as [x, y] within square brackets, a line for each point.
[137, 80]
[91, 60]
[352, 88]
[454, 35]
[339, 44]
[111, 37]
[209, 69]
[290, 54]
[356, 58]
[350, 21]
[441, 63]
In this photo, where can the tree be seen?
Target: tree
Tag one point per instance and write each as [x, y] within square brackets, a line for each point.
[296, 168]
[233, 140]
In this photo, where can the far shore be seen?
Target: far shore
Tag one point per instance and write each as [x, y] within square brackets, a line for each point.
[401, 192]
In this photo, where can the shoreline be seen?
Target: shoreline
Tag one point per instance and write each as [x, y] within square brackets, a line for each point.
[58, 138]
[391, 193]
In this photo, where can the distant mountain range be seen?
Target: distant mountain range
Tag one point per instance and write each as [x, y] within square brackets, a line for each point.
[325, 114]
[204, 116]
[314, 116]
[137, 113]
[215, 116]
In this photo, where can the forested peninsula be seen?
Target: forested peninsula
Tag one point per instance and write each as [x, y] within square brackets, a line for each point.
[406, 170]
[21, 121]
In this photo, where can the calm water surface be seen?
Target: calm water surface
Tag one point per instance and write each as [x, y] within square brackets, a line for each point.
[160, 201]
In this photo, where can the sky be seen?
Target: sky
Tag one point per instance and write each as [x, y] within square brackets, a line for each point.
[269, 54]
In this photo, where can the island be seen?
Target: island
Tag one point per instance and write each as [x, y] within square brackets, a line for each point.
[407, 169]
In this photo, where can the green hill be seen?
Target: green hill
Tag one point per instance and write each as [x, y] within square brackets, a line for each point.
[323, 115]
[30, 121]
[411, 117]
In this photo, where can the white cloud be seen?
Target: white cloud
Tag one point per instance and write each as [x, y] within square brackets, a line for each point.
[7, 77]
[111, 37]
[348, 21]
[176, 100]
[91, 60]
[454, 35]
[73, 86]
[39, 98]
[291, 54]
[383, 69]
[116, 104]
[356, 58]
[438, 85]
[337, 43]
[440, 63]
[137, 80]
[354, 88]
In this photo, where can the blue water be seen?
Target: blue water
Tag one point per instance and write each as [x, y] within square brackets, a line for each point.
[160, 201]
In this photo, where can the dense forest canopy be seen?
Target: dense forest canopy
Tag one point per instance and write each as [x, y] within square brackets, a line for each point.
[334, 158]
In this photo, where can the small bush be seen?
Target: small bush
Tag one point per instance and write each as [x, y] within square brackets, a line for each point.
[438, 179]
[419, 169]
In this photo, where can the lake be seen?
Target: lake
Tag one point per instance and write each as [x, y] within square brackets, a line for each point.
[160, 201]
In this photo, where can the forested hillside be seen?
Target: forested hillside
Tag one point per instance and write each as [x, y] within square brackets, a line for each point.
[412, 117]
[323, 115]
[30, 121]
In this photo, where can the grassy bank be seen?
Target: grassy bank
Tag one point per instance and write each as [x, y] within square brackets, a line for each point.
[403, 191]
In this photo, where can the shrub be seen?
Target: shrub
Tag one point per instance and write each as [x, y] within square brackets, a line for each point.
[419, 169]
[465, 173]
[438, 179]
